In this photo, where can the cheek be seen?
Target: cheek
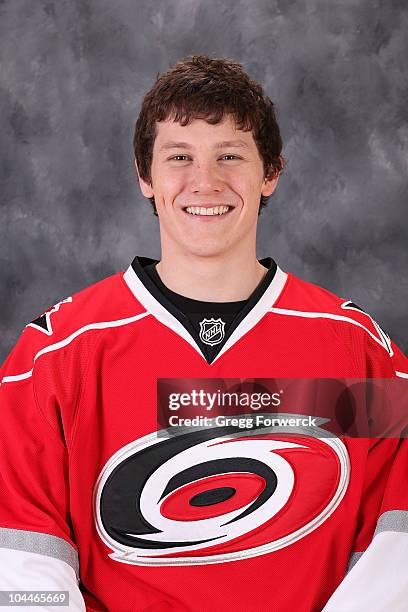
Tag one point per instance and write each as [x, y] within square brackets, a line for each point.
[167, 186]
[249, 191]
[247, 182]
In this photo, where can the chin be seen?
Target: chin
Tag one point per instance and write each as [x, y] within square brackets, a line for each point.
[206, 250]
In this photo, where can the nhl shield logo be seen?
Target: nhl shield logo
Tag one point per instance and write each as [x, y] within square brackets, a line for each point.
[212, 331]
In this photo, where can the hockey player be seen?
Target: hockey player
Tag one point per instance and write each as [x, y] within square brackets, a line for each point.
[102, 504]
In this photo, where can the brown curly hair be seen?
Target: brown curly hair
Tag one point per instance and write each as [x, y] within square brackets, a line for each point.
[200, 87]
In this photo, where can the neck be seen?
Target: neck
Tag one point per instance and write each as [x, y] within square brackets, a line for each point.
[222, 278]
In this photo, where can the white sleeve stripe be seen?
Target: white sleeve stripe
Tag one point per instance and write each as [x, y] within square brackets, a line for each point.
[392, 520]
[27, 571]
[16, 377]
[69, 339]
[402, 374]
[378, 581]
[40, 543]
[324, 315]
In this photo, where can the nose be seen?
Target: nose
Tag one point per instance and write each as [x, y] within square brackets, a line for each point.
[206, 178]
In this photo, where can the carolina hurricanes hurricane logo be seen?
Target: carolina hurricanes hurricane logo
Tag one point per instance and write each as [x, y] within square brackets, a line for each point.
[217, 494]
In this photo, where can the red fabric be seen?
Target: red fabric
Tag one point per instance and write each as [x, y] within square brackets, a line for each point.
[96, 394]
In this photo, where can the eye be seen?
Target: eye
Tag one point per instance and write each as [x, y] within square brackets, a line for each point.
[230, 155]
[177, 157]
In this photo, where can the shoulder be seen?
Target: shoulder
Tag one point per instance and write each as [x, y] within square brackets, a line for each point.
[78, 318]
[104, 301]
[309, 301]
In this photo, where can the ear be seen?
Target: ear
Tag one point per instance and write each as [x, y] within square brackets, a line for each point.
[145, 187]
[270, 183]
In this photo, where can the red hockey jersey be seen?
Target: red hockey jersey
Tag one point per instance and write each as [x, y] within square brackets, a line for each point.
[98, 501]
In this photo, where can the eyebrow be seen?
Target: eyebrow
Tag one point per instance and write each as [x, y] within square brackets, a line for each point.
[218, 145]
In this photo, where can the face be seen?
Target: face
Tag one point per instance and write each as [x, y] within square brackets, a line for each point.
[207, 181]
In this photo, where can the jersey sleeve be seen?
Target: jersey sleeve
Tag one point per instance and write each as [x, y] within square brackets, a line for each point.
[377, 577]
[399, 362]
[37, 545]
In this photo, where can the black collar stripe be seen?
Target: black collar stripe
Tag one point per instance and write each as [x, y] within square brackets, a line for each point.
[253, 312]
[150, 296]
[157, 304]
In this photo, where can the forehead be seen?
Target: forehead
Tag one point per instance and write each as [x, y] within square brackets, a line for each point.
[199, 134]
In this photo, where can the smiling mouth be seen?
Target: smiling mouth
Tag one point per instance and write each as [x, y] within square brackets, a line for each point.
[208, 211]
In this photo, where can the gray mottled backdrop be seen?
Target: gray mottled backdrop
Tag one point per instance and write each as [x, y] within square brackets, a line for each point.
[73, 73]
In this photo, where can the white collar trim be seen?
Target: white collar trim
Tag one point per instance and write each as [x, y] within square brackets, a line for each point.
[152, 305]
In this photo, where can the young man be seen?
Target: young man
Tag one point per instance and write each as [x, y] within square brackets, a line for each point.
[101, 501]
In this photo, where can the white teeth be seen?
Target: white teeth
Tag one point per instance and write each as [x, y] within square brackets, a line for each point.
[214, 210]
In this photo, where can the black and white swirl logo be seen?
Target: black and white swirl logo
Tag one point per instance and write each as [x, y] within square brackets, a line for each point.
[217, 494]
